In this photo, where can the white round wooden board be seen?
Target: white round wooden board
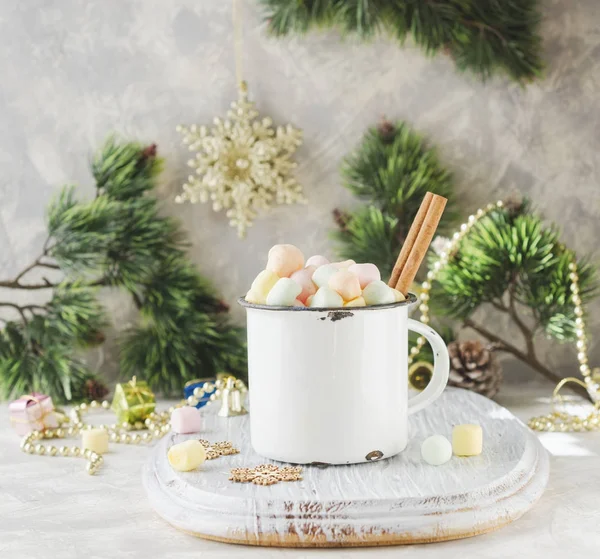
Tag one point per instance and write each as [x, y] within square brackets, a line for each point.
[393, 501]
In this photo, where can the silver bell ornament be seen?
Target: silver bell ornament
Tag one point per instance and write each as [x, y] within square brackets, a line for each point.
[232, 399]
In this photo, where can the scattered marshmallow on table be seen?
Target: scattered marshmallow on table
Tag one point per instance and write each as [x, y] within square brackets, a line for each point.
[436, 450]
[467, 440]
[186, 419]
[378, 293]
[186, 456]
[284, 260]
[284, 293]
[95, 439]
[326, 297]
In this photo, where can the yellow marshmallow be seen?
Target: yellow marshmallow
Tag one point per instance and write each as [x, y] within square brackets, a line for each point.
[467, 440]
[256, 298]
[186, 456]
[264, 282]
[358, 302]
[398, 295]
[95, 439]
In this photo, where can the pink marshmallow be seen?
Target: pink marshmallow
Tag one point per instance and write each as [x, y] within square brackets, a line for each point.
[366, 273]
[344, 264]
[346, 284]
[185, 420]
[317, 260]
[304, 279]
[284, 260]
[298, 303]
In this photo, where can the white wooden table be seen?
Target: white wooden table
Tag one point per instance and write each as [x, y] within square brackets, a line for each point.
[51, 507]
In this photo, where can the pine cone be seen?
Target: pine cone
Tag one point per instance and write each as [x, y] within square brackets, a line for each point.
[93, 389]
[149, 152]
[387, 130]
[341, 218]
[474, 367]
[514, 205]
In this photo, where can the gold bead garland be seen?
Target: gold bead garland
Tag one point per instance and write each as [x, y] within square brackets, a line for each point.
[155, 426]
[448, 253]
[212, 388]
[556, 420]
[215, 389]
[29, 446]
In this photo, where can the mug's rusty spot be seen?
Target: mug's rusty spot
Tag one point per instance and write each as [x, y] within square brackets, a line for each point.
[334, 316]
[374, 455]
[321, 465]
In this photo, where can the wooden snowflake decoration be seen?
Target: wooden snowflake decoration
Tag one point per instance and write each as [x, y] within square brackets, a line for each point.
[214, 450]
[242, 165]
[266, 474]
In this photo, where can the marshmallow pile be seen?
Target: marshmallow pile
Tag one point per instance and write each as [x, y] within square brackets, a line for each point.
[290, 281]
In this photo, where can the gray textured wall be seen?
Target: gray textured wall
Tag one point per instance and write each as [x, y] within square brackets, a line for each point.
[74, 70]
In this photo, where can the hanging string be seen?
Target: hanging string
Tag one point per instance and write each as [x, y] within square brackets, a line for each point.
[236, 16]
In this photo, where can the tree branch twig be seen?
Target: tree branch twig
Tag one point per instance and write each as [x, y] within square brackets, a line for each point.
[530, 360]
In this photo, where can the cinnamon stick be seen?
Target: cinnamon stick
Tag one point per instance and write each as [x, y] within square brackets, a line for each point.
[421, 244]
[410, 239]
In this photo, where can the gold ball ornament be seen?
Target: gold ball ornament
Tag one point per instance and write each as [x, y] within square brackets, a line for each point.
[419, 374]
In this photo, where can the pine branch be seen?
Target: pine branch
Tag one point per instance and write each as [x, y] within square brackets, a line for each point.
[118, 239]
[533, 362]
[511, 256]
[483, 36]
[391, 169]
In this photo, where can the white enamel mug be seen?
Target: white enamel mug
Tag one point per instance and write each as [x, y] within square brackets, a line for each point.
[331, 386]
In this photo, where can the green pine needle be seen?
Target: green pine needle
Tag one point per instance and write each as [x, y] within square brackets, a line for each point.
[518, 256]
[391, 169]
[119, 239]
[482, 36]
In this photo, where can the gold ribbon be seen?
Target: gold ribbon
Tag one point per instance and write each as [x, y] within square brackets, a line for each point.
[142, 393]
[557, 397]
[42, 418]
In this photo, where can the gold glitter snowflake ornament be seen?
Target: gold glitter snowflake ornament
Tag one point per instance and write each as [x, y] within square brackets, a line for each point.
[214, 450]
[266, 474]
[243, 165]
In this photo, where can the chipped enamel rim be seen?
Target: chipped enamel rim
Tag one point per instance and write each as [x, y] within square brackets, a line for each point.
[411, 298]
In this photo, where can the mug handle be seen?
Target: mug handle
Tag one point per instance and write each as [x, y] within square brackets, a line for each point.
[441, 367]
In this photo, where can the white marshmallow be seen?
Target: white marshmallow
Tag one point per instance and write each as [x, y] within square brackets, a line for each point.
[378, 293]
[284, 293]
[436, 450]
[323, 273]
[326, 297]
